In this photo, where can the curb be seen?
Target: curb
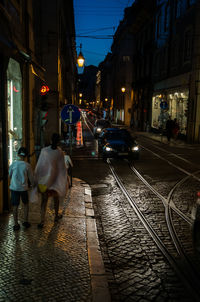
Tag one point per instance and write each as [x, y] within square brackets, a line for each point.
[99, 282]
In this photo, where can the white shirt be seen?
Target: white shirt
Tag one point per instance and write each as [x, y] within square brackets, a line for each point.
[20, 172]
[51, 170]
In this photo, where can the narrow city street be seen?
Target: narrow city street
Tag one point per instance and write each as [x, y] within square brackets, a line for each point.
[99, 151]
[138, 268]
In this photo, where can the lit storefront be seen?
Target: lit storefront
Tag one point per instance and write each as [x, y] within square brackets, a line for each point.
[171, 103]
[14, 109]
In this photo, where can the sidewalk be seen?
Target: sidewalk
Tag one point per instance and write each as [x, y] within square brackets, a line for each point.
[163, 139]
[61, 262]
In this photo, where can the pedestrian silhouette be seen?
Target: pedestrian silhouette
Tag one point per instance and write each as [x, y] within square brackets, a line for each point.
[175, 128]
[21, 177]
[169, 128]
[51, 176]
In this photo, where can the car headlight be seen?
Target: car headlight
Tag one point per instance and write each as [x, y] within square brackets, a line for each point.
[135, 148]
[98, 129]
[108, 149]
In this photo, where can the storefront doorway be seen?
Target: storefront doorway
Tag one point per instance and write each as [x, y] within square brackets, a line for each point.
[14, 109]
[172, 103]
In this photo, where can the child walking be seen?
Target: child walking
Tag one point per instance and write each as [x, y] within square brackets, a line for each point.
[21, 175]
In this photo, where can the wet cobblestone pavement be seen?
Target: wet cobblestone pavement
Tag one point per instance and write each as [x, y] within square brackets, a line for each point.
[140, 271]
[49, 264]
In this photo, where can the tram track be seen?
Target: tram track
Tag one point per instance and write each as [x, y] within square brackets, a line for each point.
[188, 275]
[181, 264]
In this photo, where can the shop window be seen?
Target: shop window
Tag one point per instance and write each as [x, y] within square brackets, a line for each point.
[177, 104]
[14, 109]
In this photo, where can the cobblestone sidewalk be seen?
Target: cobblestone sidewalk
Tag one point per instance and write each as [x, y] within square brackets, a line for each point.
[61, 262]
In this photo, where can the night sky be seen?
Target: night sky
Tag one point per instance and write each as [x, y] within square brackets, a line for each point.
[97, 21]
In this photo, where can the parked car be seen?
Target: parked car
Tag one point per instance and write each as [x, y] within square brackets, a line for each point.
[99, 125]
[117, 142]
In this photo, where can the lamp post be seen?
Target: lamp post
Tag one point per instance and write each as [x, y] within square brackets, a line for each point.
[123, 90]
[80, 58]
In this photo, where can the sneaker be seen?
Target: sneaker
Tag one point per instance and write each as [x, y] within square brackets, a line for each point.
[26, 224]
[16, 227]
[40, 225]
[58, 217]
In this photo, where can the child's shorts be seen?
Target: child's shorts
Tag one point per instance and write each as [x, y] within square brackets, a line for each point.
[16, 195]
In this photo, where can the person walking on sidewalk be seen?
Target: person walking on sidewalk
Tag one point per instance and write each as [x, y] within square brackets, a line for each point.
[175, 129]
[51, 176]
[169, 128]
[21, 174]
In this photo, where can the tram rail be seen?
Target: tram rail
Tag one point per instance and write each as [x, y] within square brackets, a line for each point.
[188, 275]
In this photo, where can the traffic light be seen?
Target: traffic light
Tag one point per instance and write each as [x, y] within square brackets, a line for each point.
[44, 105]
[44, 90]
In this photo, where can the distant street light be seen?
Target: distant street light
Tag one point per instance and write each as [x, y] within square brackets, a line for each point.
[123, 90]
[80, 59]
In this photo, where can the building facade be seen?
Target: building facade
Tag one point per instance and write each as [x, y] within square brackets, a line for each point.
[24, 66]
[175, 74]
[155, 53]
[17, 85]
[56, 50]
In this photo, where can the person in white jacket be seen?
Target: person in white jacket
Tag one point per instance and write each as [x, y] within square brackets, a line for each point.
[21, 175]
[51, 177]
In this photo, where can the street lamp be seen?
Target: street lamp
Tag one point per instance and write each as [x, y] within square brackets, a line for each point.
[123, 90]
[80, 59]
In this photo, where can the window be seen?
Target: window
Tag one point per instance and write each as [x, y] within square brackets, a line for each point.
[158, 25]
[178, 8]
[174, 52]
[126, 58]
[190, 2]
[187, 45]
[167, 17]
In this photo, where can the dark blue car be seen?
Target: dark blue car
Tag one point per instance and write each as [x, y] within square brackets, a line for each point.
[117, 142]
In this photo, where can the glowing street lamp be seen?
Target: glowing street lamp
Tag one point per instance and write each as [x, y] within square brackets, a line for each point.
[123, 89]
[80, 59]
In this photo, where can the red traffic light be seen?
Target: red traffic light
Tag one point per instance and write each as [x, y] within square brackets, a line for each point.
[44, 89]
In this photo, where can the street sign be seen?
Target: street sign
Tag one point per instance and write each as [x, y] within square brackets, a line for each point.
[70, 114]
[164, 105]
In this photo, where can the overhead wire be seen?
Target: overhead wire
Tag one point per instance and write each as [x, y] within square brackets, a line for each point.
[97, 29]
[96, 37]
